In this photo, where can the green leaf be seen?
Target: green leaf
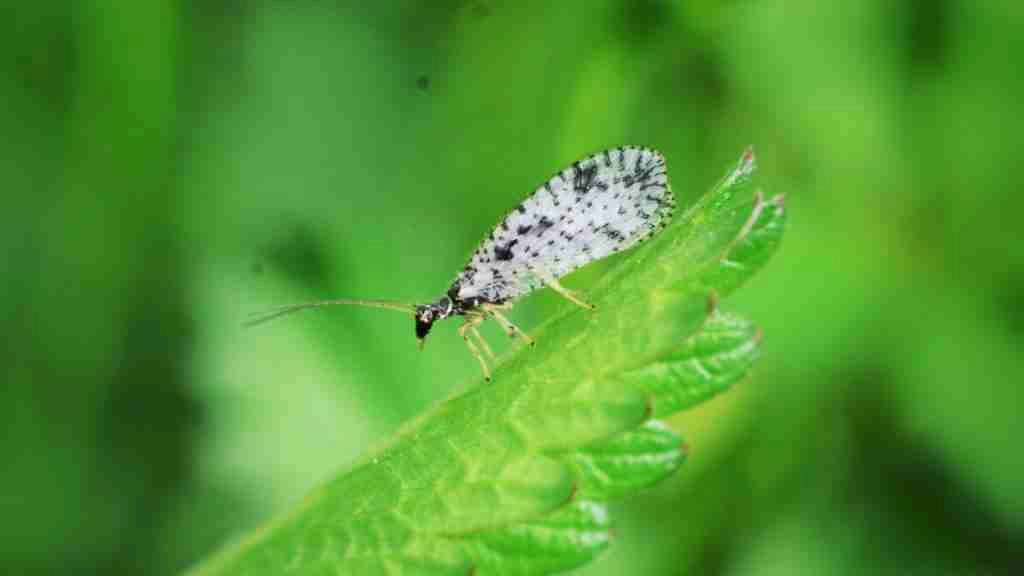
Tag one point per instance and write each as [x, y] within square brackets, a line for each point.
[566, 538]
[510, 477]
[625, 463]
[707, 363]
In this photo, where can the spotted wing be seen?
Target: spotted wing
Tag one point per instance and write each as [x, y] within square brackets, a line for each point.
[605, 203]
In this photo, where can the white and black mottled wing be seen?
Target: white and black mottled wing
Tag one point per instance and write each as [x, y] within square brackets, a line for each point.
[605, 203]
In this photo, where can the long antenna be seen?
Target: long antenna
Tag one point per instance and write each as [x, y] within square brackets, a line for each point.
[285, 310]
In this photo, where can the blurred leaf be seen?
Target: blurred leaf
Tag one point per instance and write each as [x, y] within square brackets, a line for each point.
[508, 477]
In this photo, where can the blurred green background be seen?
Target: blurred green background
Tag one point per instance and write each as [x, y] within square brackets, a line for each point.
[169, 167]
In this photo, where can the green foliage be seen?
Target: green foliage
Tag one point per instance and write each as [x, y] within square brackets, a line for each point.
[511, 477]
[170, 167]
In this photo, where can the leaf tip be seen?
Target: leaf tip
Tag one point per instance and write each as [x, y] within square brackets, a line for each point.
[648, 407]
[748, 162]
[744, 169]
[712, 302]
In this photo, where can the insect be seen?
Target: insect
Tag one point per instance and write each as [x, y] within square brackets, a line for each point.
[605, 203]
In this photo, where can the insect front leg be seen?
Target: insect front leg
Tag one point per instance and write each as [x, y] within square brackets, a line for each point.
[549, 279]
[468, 326]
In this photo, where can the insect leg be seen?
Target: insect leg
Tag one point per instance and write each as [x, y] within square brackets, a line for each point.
[483, 342]
[470, 324]
[550, 280]
[510, 328]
